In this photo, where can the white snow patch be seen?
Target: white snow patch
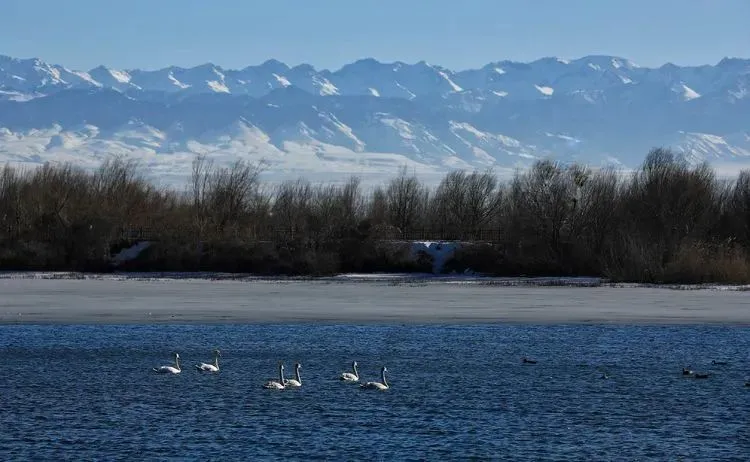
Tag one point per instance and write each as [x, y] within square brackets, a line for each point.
[18, 96]
[374, 92]
[120, 76]
[219, 74]
[218, 87]
[700, 146]
[482, 136]
[411, 95]
[401, 126]
[595, 67]
[54, 72]
[501, 94]
[710, 138]
[283, 81]
[177, 82]
[625, 80]
[742, 93]
[439, 251]
[688, 93]
[326, 87]
[499, 70]
[346, 130]
[567, 138]
[546, 91]
[86, 77]
[467, 127]
[453, 85]
[480, 153]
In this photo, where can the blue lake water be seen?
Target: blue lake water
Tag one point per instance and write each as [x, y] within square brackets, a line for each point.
[457, 392]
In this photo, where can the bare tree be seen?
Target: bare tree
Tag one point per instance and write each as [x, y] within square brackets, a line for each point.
[291, 207]
[738, 208]
[232, 190]
[466, 204]
[670, 221]
[406, 198]
[11, 210]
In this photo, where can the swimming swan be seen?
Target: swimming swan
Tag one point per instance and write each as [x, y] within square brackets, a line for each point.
[206, 367]
[170, 369]
[377, 385]
[687, 371]
[348, 376]
[274, 385]
[297, 381]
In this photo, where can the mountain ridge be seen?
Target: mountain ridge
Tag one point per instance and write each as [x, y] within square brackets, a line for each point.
[199, 77]
[374, 116]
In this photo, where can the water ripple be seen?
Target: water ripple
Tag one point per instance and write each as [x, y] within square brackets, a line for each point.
[88, 392]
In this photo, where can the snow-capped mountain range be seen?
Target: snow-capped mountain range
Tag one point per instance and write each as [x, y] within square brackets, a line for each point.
[372, 117]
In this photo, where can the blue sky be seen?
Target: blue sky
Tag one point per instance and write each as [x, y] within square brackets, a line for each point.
[457, 34]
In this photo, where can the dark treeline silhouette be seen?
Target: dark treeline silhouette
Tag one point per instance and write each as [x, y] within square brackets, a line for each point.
[667, 222]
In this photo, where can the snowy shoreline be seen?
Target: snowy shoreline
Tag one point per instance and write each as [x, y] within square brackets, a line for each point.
[179, 298]
[367, 278]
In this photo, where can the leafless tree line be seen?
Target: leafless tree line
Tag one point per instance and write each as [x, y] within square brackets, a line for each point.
[667, 222]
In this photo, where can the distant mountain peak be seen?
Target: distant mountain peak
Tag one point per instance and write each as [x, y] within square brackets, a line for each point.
[370, 114]
[275, 65]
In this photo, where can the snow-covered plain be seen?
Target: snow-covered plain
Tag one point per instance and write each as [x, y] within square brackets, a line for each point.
[153, 299]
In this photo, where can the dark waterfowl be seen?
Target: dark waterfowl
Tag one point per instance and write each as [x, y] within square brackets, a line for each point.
[526, 360]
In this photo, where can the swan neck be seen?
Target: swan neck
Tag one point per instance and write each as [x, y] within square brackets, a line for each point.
[296, 373]
[281, 375]
[356, 374]
[216, 360]
[382, 375]
[177, 362]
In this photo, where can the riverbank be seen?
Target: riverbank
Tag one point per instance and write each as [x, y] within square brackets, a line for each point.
[668, 222]
[390, 278]
[41, 298]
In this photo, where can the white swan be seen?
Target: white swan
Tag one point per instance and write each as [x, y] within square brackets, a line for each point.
[170, 369]
[348, 376]
[377, 385]
[297, 381]
[274, 385]
[206, 367]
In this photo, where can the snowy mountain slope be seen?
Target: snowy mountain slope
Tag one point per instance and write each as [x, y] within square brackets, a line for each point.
[371, 116]
[542, 78]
